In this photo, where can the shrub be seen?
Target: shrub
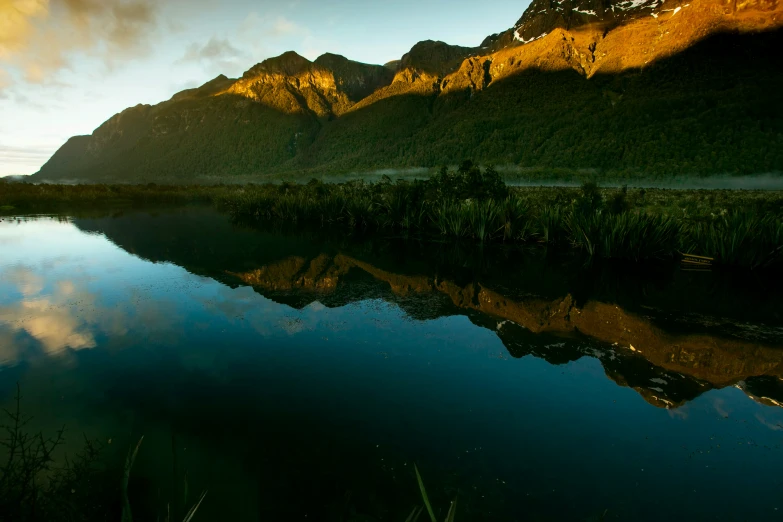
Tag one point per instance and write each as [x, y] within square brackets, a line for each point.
[634, 236]
[740, 238]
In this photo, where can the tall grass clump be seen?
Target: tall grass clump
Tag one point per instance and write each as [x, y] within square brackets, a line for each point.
[416, 513]
[739, 238]
[451, 218]
[484, 218]
[552, 224]
[633, 236]
[515, 219]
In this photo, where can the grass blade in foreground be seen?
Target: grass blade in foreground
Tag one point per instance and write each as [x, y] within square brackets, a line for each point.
[452, 511]
[415, 514]
[126, 509]
[424, 494]
[193, 510]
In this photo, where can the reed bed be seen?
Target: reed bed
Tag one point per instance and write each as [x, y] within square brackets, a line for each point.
[736, 228]
[601, 227]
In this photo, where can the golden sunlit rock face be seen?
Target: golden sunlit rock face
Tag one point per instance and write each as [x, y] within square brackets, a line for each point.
[596, 47]
[718, 361]
[293, 84]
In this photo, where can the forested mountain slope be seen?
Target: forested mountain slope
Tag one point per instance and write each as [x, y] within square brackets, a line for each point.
[643, 88]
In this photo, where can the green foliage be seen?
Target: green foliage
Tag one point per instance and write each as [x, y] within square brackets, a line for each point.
[656, 224]
[468, 182]
[634, 236]
[127, 515]
[552, 223]
[452, 507]
[619, 201]
[737, 228]
[590, 200]
[483, 218]
[516, 222]
[739, 238]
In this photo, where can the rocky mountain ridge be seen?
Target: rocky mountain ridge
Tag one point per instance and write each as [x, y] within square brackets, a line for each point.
[303, 114]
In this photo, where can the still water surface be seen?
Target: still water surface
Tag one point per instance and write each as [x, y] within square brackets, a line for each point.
[301, 377]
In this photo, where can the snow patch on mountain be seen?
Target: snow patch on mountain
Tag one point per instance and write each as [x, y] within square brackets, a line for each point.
[519, 38]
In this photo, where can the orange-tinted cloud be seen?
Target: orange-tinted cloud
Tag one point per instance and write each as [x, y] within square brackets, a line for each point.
[16, 23]
[40, 36]
[5, 82]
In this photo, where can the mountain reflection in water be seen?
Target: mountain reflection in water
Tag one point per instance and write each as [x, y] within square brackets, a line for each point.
[303, 374]
[697, 331]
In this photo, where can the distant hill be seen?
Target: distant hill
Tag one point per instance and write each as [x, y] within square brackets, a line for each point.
[637, 88]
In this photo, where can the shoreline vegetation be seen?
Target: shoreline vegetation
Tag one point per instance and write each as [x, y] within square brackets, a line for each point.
[735, 228]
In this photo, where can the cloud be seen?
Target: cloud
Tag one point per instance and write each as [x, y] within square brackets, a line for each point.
[67, 317]
[39, 37]
[46, 318]
[16, 23]
[719, 404]
[216, 49]
[5, 83]
[54, 327]
[774, 426]
[282, 26]
[217, 56]
[25, 158]
[280, 34]
[27, 282]
[254, 25]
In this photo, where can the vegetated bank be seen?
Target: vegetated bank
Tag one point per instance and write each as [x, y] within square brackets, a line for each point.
[736, 228]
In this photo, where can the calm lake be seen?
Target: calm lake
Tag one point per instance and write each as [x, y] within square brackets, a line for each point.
[300, 377]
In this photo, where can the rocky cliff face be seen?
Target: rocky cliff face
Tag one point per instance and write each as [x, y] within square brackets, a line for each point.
[544, 16]
[326, 87]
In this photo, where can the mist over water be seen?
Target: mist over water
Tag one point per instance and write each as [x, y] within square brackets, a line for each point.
[725, 182]
[513, 176]
[516, 177]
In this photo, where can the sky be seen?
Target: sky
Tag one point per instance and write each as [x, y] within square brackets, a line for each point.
[66, 66]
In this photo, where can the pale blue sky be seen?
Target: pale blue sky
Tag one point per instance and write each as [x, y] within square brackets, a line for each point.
[68, 65]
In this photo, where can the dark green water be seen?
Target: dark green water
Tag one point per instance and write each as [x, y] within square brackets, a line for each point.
[301, 377]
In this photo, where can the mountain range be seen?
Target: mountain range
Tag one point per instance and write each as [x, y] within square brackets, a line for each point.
[632, 88]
